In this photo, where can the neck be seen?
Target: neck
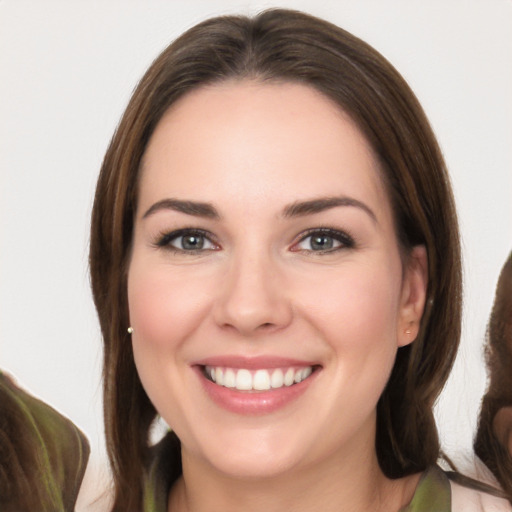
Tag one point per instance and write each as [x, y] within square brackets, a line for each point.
[348, 481]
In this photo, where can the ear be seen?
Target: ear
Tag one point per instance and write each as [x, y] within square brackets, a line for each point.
[414, 292]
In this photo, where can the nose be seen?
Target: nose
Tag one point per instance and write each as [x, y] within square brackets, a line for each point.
[253, 297]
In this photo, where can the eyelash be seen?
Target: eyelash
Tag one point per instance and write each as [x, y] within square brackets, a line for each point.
[345, 241]
[165, 239]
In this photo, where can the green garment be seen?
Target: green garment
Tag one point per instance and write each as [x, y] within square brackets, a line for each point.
[433, 493]
[43, 455]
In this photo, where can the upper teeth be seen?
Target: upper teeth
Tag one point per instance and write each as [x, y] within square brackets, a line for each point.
[259, 380]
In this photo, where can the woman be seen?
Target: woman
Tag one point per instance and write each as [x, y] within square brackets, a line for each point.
[493, 442]
[275, 264]
[43, 455]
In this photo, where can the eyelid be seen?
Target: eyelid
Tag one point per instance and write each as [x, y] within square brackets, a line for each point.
[164, 239]
[346, 240]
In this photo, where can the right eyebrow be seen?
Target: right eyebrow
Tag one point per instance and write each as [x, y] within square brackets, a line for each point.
[194, 208]
[321, 204]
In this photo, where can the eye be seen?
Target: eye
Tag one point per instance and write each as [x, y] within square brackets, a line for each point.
[187, 240]
[324, 240]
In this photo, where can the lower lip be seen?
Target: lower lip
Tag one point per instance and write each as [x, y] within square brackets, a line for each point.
[255, 402]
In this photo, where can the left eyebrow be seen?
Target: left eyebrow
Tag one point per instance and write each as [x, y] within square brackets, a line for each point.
[312, 206]
[194, 208]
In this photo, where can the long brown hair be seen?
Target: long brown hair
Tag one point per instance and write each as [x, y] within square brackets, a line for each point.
[282, 45]
[43, 456]
[499, 364]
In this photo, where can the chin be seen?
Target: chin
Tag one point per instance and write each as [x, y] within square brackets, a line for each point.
[255, 457]
[260, 468]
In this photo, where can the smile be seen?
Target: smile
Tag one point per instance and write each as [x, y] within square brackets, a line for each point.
[255, 385]
[243, 379]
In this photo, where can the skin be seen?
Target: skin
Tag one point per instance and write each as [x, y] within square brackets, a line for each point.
[259, 288]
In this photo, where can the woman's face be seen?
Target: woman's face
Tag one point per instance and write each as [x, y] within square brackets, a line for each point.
[266, 289]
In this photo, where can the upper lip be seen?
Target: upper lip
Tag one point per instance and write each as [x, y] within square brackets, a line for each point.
[257, 362]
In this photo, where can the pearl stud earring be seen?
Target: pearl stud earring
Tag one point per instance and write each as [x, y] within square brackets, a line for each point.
[130, 330]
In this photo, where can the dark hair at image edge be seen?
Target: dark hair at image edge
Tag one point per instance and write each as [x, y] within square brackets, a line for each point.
[286, 46]
[498, 353]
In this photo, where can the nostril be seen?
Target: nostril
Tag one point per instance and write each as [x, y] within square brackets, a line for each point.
[267, 325]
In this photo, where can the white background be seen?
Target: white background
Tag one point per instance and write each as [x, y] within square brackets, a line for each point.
[66, 72]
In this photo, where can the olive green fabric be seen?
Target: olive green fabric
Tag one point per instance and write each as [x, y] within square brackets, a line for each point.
[43, 455]
[164, 469]
[433, 493]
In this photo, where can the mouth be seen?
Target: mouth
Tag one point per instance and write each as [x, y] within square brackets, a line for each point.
[256, 385]
[257, 380]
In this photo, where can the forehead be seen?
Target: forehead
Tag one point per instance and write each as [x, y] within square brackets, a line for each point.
[258, 140]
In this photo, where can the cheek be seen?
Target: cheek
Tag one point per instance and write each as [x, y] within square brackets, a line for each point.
[364, 338]
[150, 305]
[356, 315]
[164, 311]
[164, 308]
[357, 308]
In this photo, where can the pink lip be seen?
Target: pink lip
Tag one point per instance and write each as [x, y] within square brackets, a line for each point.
[253, 402]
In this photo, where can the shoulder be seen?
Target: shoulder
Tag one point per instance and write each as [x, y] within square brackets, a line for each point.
[447, 491]
[471, 500]
[466, 496]
[46, 453]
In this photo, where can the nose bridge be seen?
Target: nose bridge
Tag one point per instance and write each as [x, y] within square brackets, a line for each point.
[253, 297]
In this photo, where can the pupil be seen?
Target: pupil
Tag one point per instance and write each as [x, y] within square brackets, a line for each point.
[192, 242]
[321, 242]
